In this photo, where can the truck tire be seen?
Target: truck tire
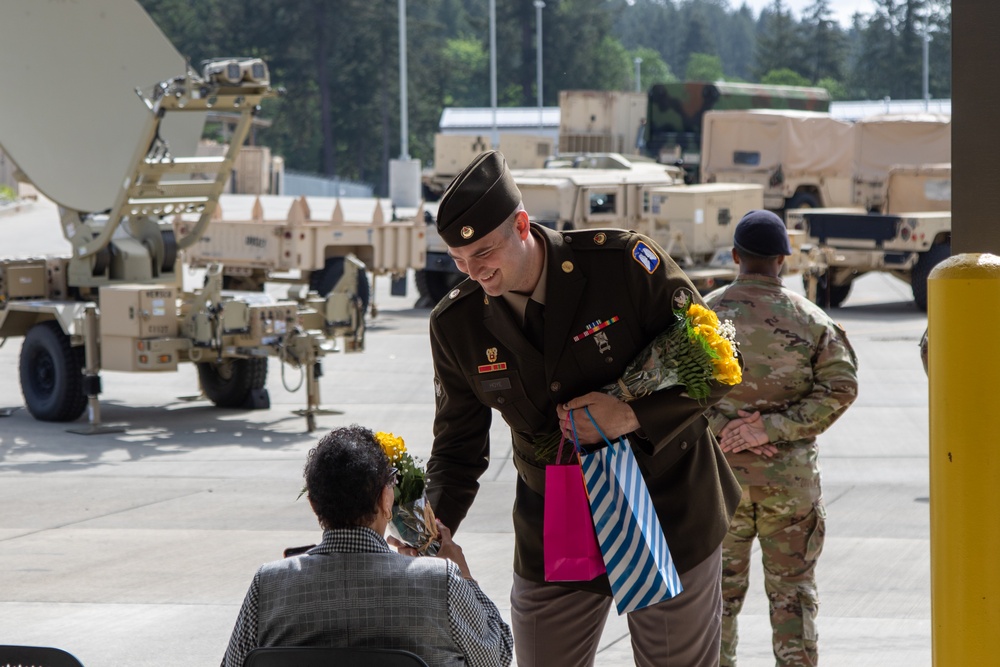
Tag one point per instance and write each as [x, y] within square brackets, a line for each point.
[52, 374]
[324, 280]
[918, 276]
[802, 200]
[838, 295]
[231, 382]
[435, 285]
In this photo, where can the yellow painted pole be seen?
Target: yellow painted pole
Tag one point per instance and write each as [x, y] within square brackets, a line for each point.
[963, 371]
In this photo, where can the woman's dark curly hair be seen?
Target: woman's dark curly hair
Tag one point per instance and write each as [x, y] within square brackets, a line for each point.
[345, 474]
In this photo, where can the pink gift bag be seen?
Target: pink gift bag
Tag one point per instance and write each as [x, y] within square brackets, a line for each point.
[569, 541]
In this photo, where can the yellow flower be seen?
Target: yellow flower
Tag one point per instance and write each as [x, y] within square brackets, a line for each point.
[393, 446]
[701, 316]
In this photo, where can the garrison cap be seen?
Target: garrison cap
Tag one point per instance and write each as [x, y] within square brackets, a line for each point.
[477, 201]
[762, 233]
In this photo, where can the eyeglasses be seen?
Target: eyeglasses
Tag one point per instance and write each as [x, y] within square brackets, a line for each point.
[393, 476]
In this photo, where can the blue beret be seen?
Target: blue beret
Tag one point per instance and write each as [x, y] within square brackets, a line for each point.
[477, 201]
[762, 233]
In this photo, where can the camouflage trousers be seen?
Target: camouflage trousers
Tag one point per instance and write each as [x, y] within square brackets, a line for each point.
[790, 523]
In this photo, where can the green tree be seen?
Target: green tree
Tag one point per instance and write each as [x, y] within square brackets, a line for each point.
[837, 90]
[779, 41]
[824, 48]
[703, 67]
[784, 77]
[616, 66]
[653, 69]
[467, 69]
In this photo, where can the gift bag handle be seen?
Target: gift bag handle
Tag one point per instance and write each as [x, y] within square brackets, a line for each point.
[591, 418]
[562, 440]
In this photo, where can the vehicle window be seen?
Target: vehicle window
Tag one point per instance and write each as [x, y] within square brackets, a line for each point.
[602, 202]
[748, 158]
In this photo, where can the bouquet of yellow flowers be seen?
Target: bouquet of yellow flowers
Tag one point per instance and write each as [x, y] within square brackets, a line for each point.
[412, 517]
[693, 351]
[697, 349]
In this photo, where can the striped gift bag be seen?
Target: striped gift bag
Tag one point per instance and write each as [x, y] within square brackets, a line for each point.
[638, 561]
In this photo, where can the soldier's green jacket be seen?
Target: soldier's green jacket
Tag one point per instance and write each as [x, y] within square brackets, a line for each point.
[483, 362]
[800, 372]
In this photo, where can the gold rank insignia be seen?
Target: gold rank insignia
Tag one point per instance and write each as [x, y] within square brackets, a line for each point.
[491, 355]
[467, 232]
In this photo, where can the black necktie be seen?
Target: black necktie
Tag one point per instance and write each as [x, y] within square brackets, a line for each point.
[534, 323]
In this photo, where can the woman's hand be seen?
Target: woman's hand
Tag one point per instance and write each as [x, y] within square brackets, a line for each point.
[451, 551]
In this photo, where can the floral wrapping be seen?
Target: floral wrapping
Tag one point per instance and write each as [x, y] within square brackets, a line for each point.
[413, 523]
[413, 519]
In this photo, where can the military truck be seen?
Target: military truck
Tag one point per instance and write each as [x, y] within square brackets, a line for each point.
[105, 123]
[693, 223]
[676, 111]
[806, 159]
[907, 237]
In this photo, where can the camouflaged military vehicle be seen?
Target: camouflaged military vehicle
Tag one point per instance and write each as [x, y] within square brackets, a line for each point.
[676, 111]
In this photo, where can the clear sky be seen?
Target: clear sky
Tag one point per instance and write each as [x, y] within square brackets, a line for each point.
[843, 10]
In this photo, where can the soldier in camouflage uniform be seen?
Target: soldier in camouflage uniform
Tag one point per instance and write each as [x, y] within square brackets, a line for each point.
[800, 376]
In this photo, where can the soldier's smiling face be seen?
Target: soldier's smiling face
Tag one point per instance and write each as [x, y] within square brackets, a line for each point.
[505, 260]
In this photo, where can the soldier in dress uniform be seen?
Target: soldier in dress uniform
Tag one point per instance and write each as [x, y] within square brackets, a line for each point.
[800, 375]
[544, 321]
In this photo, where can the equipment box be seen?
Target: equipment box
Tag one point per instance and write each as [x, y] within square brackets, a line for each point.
[138, 311]
[23, 279]
[701, 217]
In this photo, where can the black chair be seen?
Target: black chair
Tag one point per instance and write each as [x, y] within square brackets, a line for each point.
[276, 656]
[36, 656]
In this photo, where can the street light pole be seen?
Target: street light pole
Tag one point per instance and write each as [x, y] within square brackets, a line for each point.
[494, 137]
[927, 68]
[404, 132]
[638, 69]
[539, 5]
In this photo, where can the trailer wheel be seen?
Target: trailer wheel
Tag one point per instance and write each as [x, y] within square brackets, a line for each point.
[838, 294]
[52, 374]
[918, 276]
[324, 280]
[435, 285]
[802, 200]
[230, 382]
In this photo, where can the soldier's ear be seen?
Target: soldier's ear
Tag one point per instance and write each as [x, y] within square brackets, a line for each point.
[522, 224]
[736, 256]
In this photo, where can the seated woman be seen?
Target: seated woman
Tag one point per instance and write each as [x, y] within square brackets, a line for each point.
[352, 590]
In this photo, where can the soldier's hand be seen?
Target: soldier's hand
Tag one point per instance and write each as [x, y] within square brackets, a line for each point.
[746, 432]
[764, 451]
[745, 417]
[616, 418]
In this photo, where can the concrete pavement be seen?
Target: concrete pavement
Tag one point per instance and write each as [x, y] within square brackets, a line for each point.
[135, 549]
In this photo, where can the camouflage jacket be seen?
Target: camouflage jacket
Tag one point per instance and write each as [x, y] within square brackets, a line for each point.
[800, 373]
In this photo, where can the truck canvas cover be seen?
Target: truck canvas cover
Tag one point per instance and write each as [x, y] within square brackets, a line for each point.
[889, 140]
[797, 141]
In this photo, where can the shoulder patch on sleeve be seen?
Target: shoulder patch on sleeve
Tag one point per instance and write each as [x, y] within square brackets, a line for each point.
[646, 256]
